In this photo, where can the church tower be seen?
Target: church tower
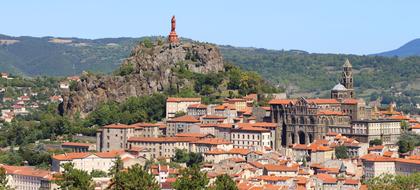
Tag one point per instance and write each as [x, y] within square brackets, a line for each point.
[347, 78]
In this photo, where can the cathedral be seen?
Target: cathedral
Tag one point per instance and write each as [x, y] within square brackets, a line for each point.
[304, 120]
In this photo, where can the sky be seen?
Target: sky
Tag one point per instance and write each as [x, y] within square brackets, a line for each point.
[321, 26]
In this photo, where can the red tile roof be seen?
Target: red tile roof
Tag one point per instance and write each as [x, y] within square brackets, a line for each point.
[241, 151]
[272, 178]
[281, 101]
[326, 178]
[27, 171]
[81, 155]
[272, 167]
[185, 119]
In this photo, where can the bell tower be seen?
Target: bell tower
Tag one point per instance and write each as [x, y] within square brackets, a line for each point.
[347, 78]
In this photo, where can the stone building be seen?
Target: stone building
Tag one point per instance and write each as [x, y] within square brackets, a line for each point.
[304, 120]
[183, 124]
[385, 129]
[344, 89]
[174, 105]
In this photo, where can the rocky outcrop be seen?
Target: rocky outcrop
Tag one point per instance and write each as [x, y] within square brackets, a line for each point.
[148, 70]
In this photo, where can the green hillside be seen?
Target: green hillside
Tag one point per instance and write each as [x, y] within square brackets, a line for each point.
[299, 72]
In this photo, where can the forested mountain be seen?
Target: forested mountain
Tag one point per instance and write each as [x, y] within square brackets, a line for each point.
[299, 72]
[411, 48]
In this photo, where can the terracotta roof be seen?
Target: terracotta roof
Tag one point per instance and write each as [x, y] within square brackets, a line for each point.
[241, 151]
[272, 178]
[264, 124]
[256, 164]
[71, 156]
[351, 182]
[75, 144]
[118, 126]
[281, 101]
[27, 171]
[415, 126]
[142, 125]
[378, 147]
[237, 160]
[399, 117]
[272, 167]
[162, 139]
[81, 155]
[215, 151]
[326, 178]
[173, 99]
[212, 141]
[185, 119]
[376, 158]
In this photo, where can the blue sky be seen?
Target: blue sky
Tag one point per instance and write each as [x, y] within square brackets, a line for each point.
[325, 26]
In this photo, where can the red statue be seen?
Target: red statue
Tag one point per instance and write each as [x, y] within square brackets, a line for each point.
[173, 24]
[173, 37]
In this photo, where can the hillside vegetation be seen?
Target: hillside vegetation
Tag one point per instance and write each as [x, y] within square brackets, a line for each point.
[299, 72]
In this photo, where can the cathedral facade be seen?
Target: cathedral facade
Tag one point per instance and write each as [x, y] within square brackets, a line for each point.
[301, 121]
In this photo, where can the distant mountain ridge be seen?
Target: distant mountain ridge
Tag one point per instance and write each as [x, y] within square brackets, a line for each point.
[412, 48]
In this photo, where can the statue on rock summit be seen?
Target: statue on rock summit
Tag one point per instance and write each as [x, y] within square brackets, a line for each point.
[173, 37]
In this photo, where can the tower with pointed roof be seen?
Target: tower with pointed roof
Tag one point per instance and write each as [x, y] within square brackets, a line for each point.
[347, 78]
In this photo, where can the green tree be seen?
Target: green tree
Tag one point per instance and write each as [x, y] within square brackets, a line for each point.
[224, 182]
[135, 178]
[394, 182]
[341, 152]
[190, 158]
[3, 180]
[191, 179]
[98, 173]
[375, 142]
[74, 179]
[408, 141]
[180, 113]
[404, 125]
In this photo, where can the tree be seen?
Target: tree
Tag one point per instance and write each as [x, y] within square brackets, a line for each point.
[375, 142]
[117, 167]
[341, 152]
[394, 182]
[98, 173]
[192, 179]
[134, 178]
[180, 113]
[408, 141]
[74, 179]
[404, 125]
[224, 182]
[3, 180]
[191, 158]
[195, 159]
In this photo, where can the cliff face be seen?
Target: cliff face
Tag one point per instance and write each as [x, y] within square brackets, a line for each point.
[150, 71]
